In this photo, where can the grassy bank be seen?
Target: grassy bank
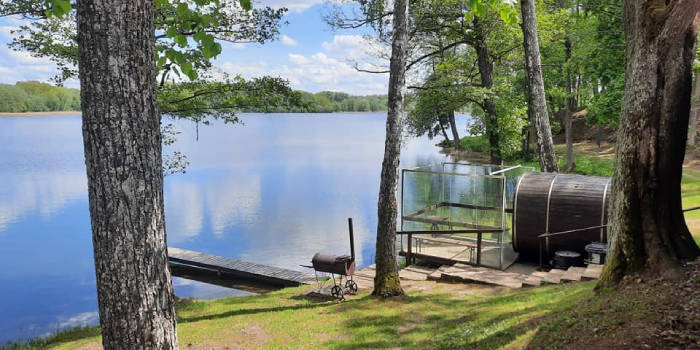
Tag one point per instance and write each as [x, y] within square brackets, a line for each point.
[486, 319]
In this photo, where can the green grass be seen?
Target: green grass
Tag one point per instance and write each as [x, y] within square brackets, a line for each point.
[434, 319]
[478, 144]
[585, 164]
[70, 336]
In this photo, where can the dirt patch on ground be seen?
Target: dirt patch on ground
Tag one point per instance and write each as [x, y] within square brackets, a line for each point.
[641, 314]
[251, 337]
[90, 346]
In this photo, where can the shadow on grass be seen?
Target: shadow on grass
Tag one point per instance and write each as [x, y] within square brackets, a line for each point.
[251, 311]
[447, 322]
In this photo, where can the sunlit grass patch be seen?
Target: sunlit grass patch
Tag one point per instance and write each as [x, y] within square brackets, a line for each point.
[433, 319]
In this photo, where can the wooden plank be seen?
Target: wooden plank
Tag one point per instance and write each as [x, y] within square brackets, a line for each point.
[448, 241]
[242, 269]
[424, 210]
[444, 221]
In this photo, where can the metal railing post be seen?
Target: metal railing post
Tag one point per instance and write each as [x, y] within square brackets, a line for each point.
[408, 253]
[540, 241]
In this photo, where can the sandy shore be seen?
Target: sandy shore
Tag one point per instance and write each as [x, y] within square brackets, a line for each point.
[39, 114]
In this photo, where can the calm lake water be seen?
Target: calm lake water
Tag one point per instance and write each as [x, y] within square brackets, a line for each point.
[273, 191]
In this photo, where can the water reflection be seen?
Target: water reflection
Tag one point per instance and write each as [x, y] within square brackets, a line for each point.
[273, 191]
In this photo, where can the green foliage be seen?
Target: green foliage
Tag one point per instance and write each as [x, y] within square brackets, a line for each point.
[478, 144]
[330, 102]
[586, 164]
[480, 8]
[32, 96]
[222, 99]
[188, 33]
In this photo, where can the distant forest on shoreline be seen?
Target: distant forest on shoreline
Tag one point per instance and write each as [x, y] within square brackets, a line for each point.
[33, 96]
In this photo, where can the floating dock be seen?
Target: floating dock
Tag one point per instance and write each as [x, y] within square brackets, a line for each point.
[240, 269]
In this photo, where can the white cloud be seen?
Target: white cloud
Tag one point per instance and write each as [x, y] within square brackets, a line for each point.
[333, 68]
[21, 65]
[352, 47]
[297, 59]
[24, 57]
[237, 46]
[287, 41]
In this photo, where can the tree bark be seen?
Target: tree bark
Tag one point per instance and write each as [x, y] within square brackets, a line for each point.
[537, 101]
[570, 106]
[694, 113]
[386, 280]
[122, 140]
[648, 231]
[442, 128]
[486, 73]
[455, 133]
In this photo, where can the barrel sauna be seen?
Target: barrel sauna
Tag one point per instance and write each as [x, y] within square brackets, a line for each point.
[549, 203]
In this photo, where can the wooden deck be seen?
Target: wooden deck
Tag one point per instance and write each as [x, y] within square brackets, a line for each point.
[241, 269]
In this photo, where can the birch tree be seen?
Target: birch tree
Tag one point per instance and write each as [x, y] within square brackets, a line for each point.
[537, 98]
[386, 280]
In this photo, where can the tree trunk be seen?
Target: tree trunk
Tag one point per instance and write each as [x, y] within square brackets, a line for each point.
[570, 106]
[442, 128]
[455, 133]
[648, 232]
[570, 165]
[537, 101]
[122, 140]
[386, 280]
[694, 113]
[486, 73]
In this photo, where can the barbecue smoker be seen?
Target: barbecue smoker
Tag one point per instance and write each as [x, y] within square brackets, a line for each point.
[341, 265]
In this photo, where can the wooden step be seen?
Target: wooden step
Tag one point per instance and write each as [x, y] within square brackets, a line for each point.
[573, 274]
[466, 273]
[592, 272]
[531, 280]
[415, 273]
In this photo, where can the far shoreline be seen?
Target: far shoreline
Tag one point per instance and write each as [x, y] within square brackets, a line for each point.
[40, 114]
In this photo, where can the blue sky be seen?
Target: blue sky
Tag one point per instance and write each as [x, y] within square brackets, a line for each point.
[308, 53]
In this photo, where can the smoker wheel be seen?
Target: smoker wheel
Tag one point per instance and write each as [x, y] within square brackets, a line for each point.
[337, 292]
[351, 286]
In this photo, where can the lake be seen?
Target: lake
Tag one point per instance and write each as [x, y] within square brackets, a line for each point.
[273, 191]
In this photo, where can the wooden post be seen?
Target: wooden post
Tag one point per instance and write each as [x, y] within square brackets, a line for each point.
[478, 248]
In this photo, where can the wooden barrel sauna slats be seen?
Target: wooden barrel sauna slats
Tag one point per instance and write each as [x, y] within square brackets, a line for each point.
[548, 203]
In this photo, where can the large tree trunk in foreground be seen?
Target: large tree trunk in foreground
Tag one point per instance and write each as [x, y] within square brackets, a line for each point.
[121, 132]
[537, 102]
[648, 231]
[386, 280]
[486, 73]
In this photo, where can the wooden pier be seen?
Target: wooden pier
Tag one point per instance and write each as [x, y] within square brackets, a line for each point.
[240, 269]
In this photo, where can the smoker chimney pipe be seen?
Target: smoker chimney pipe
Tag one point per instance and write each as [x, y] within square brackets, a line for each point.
[352, 239]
